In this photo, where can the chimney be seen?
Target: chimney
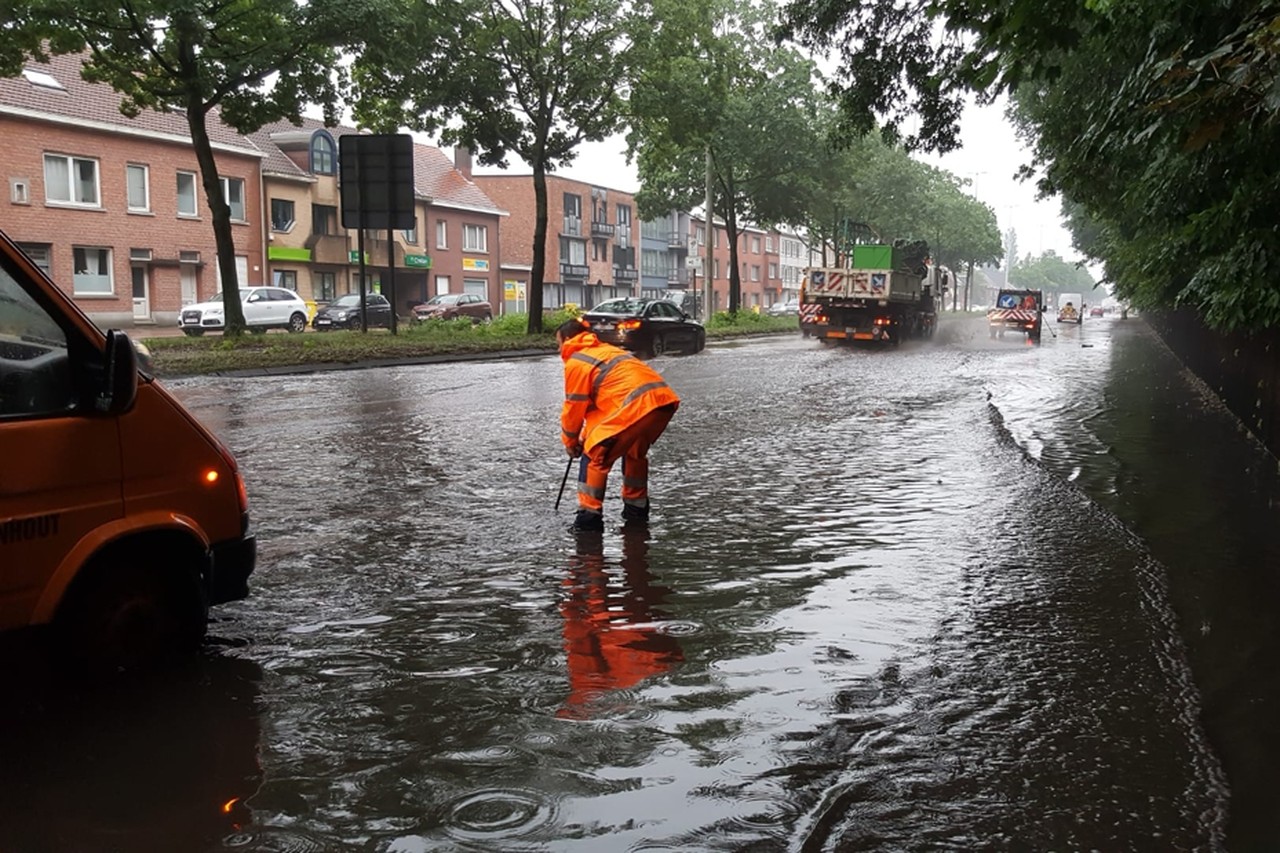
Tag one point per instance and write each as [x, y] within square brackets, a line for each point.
[462, 160]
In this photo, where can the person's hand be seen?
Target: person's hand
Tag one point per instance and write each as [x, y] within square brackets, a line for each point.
[574, 450]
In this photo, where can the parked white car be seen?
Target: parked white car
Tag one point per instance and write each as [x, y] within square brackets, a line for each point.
[264, 308]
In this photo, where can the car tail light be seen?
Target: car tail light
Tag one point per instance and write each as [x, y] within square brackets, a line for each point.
[629, 325]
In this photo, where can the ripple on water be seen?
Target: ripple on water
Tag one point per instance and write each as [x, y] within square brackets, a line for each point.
[496, 814]
[275, 840]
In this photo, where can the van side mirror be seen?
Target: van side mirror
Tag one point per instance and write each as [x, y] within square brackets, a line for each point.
[119, 389]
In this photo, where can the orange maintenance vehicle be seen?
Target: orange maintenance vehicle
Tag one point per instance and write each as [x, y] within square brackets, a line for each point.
[122, 518]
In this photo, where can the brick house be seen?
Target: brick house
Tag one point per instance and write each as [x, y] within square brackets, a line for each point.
[592, 238]
[113, 208]
[760, 270]
[455, 246]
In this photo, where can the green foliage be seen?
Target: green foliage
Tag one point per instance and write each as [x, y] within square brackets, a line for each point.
[244, 63]
[1156, 122]
[535, 78]
[1051, 273]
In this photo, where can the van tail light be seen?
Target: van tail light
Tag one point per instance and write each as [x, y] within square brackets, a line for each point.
[629, 325]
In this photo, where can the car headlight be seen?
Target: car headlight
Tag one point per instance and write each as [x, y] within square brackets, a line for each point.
[340, 315]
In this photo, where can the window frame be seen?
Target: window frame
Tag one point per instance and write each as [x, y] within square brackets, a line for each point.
[482, 245]
[195, 194]
[146, 188]
[322, 140]
[226, 183]
[442, 233]
[75, 276]
[293, 218]
[70, 160]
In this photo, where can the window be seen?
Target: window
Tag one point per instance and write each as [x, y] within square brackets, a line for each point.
[652, 262]
[475, 238]
[478, 288]
[442, 284]
[573, 252]
[233, 195]
[282, 217]
[324, 219]
[187, 194]
[411, 234]
[325, 286]
[288, 279]
[138, 182]
[442, 234]
[572, 215]
[755, 245]
[773, 270]
[755, 272]
[43, 391]
[18, 191]
[91, 271]
[702, 236]
[768, 243]
[716, 272]
[322, 159]
[71, 180]
[39, 253]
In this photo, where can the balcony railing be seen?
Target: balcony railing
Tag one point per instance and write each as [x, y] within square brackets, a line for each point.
[676, 240]
[677, 276]
[627, 274]
[601, 229]
[572, 226]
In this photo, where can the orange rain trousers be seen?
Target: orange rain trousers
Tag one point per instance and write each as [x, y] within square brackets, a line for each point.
[632, 447]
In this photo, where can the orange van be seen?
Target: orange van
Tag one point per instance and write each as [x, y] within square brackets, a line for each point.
[122, 519]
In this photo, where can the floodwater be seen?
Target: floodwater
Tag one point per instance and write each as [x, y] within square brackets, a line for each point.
[967, 594]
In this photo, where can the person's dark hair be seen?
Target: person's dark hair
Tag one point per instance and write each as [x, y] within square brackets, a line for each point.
[572, 327]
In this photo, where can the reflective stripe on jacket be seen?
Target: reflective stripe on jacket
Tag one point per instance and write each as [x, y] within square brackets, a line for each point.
[607, 389]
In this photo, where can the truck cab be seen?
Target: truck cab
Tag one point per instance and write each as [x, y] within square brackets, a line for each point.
[122, 518]
[1019, 312]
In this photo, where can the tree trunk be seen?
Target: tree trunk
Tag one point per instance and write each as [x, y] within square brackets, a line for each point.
[220, 213]
[538, 272]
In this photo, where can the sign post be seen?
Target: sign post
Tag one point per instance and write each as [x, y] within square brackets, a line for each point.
[377, 192]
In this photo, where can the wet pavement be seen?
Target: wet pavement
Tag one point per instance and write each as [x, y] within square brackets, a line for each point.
[964, 594]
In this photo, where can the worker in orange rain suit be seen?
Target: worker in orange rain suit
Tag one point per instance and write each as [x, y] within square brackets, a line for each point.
[612, 631]
[615, 407]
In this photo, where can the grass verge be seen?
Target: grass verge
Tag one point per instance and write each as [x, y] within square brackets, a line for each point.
[183, 356]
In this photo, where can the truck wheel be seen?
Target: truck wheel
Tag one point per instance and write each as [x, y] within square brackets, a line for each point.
[133, 612]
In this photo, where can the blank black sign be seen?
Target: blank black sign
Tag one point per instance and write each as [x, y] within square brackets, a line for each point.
[377, 180]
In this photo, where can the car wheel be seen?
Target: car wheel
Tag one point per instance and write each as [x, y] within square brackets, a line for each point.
[132, 611]
[354, 323]
[193, 333]
[658, 346]
[701, 343]
[298, 323]
[487, 319]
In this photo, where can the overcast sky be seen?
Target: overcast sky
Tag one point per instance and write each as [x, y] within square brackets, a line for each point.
[990, 156]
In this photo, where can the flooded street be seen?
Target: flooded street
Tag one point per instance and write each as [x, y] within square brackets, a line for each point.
[965, 594]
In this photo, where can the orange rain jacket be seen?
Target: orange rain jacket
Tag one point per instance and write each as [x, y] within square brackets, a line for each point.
[608, 389]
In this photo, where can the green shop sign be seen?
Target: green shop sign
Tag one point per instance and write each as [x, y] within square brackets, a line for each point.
[421, 262]
[288, 253]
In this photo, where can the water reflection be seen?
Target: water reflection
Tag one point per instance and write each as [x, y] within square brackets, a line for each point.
[162, 763]
[612, 636]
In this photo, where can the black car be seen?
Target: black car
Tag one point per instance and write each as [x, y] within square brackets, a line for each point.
[344, 312]
[646, 326]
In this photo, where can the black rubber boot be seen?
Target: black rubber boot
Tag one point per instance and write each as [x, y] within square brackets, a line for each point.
[587, 521]
[635, 514]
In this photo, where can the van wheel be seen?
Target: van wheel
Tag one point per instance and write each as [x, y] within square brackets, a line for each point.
[132, 613]
[298, 323]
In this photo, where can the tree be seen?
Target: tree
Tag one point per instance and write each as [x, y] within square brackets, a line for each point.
[244, 63]
[762, 139]
[1155, 120]
[535, 78]
[1050, 273]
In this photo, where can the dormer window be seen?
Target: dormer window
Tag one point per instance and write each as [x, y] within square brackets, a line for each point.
[323, 159]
